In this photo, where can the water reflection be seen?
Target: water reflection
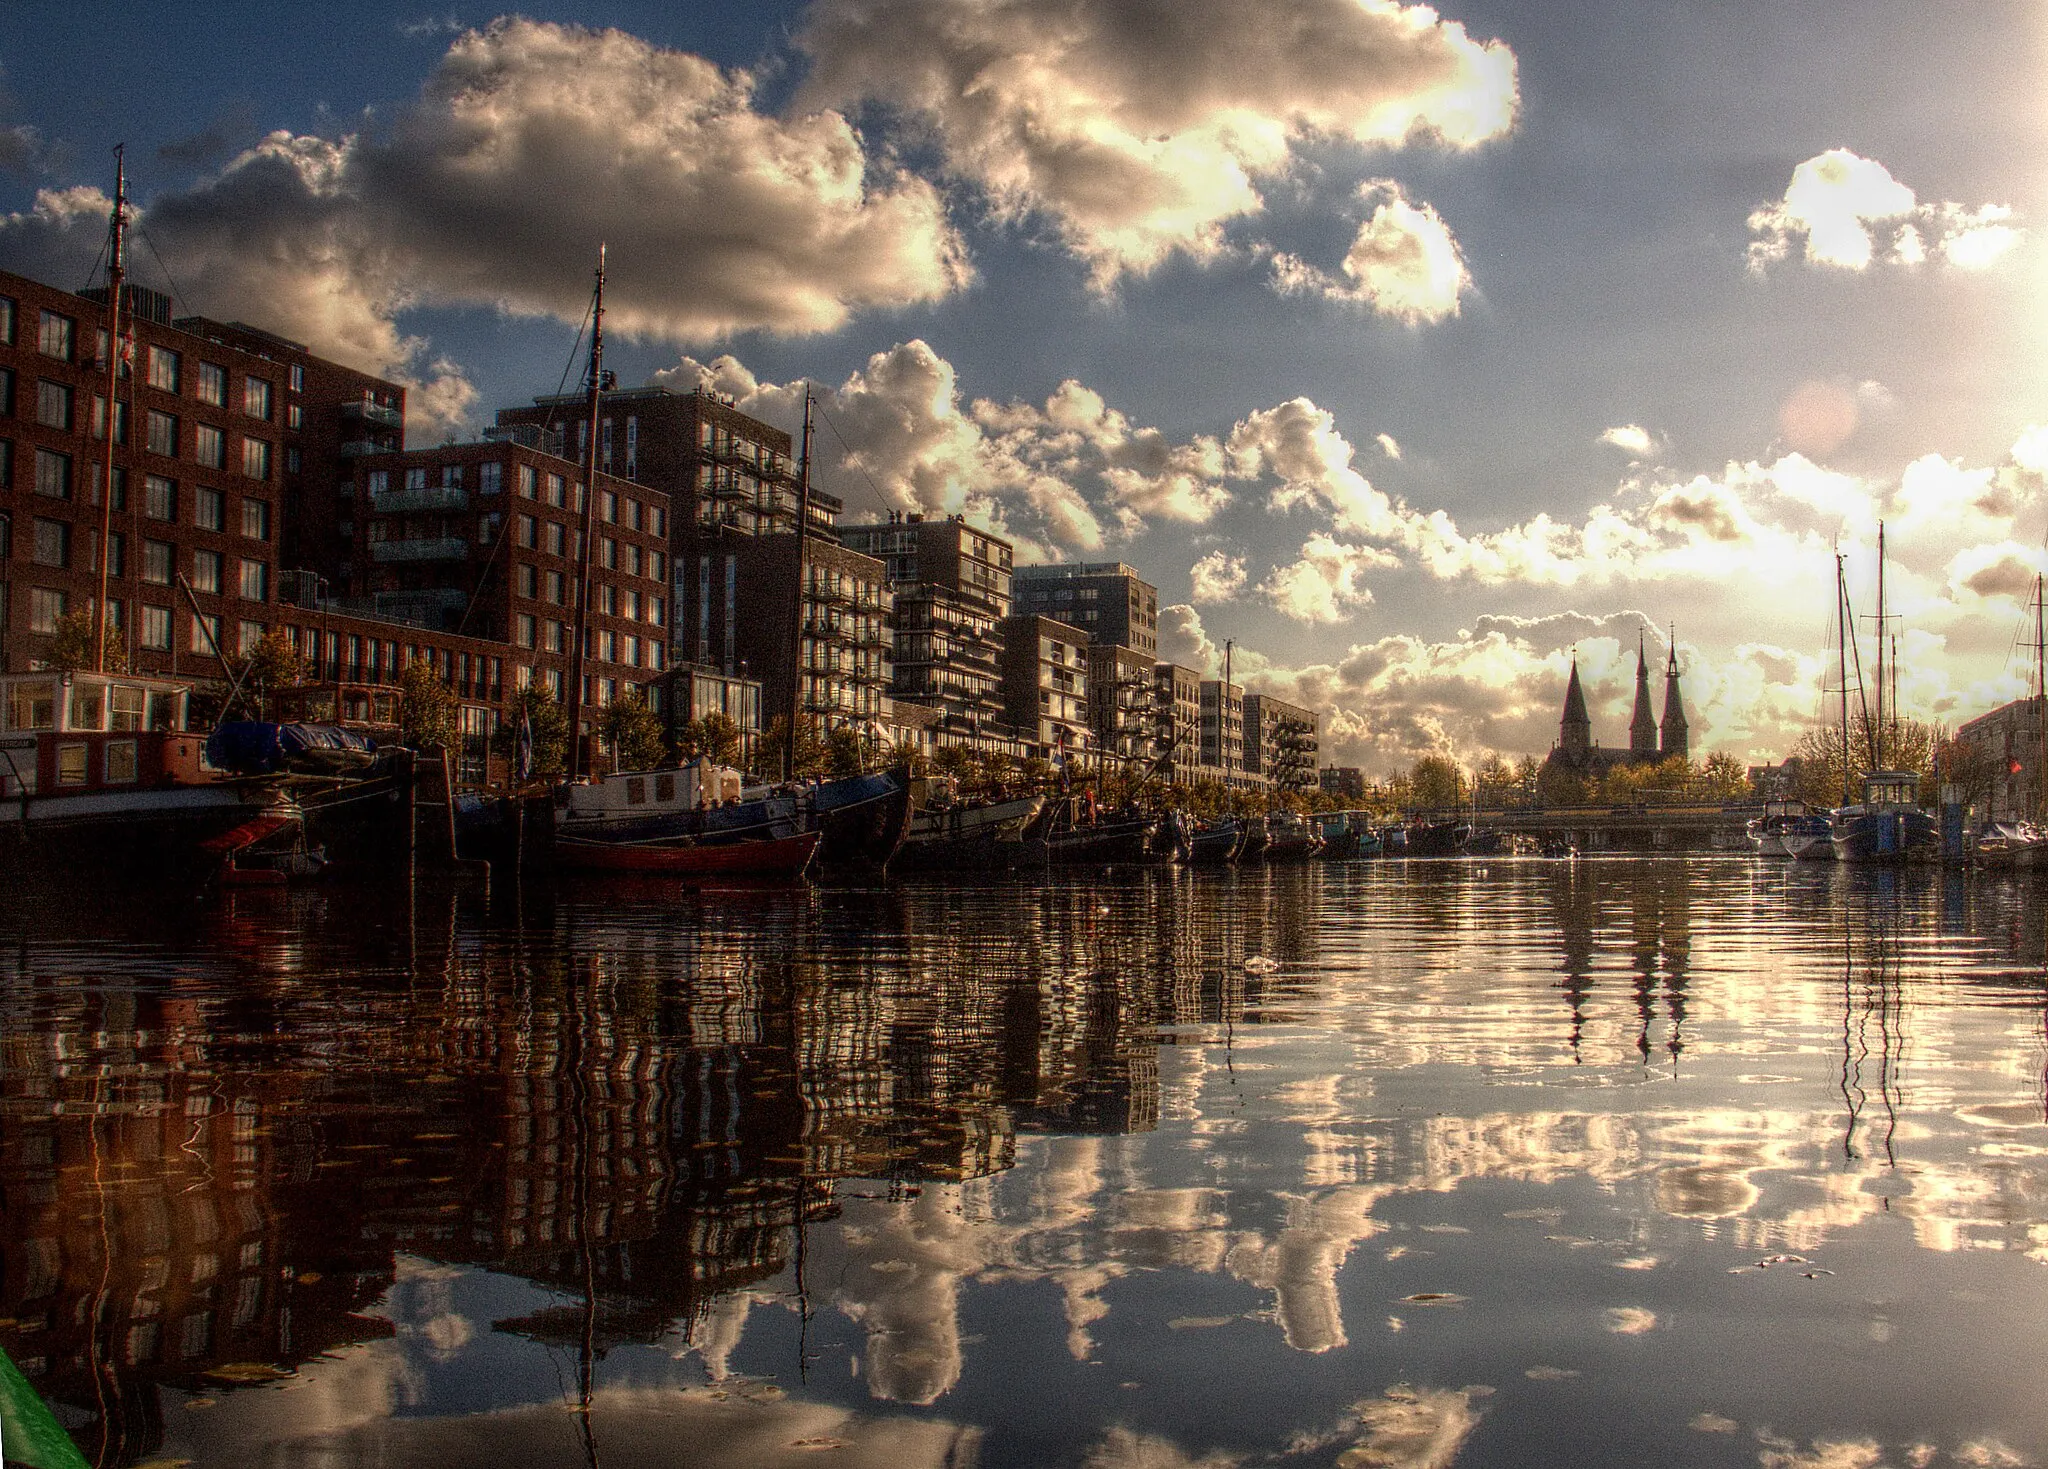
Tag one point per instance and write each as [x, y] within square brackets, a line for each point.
[1031, 1173]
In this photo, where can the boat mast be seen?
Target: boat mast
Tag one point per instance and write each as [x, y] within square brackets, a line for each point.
[1878, 751]
[116, 275]
[796, 627]
[1842, 662]
[595, 388]
[2040, 699]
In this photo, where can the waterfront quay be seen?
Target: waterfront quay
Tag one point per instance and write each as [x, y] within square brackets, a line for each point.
[1620, 1160]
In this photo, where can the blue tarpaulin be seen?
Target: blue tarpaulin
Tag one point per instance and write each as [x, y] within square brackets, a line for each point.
[249, 747]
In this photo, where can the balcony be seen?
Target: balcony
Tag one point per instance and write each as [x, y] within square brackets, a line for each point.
[375, 413]
[442, 548]
[433, 497]
[357, 448]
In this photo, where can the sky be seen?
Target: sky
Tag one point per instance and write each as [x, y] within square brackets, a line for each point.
[1414, 352]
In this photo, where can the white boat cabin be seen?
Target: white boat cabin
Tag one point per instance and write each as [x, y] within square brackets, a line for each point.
[1891, 788]
[119, 720]
[695, 787]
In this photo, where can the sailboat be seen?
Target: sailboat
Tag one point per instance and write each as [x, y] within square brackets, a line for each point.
[1888, 825]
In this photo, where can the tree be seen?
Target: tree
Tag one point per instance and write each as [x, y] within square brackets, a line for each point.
[845, 753]
[810, 749]
[71, 649]
[429, 714]
[1908, 744]
[713, 737]
[1723, 777]
[536, 704]
[1435, 780]
[632, 732]
[273, 664]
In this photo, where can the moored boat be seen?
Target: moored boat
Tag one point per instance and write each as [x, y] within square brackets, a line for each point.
[975, 836]
[1436, 838]
[1888, 826]
[861, 821]
[1215, 844]
[1290, 838]
[679, 822]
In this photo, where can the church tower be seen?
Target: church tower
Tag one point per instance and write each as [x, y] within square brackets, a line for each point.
[1642, 729]
[1676, 737]
[1575, 730]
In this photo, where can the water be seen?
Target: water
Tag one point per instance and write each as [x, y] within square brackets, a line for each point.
[1367, 1164]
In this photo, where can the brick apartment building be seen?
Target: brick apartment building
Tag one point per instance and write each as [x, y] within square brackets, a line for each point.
[1107, 600]
[221, 434]
[1045, 684]
[1280, 744]
[483, 539]
[951, 585]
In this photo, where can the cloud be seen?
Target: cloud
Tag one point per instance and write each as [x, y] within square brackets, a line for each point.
[1388, 447]
[1403, 263]
[1058, 477]
[1632, 439]
[527, 145]
[1217, 577]
[21, 148]
[1326, 583]
[1139, 130]
[1848, 212]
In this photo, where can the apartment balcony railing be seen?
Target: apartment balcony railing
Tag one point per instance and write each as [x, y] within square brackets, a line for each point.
[441, 548]
[376, 413]
[356, 448]
[431, 497]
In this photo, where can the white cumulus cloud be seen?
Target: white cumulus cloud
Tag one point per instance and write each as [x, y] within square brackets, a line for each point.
[1403, 263]
[1846, 211]
[1139, 129]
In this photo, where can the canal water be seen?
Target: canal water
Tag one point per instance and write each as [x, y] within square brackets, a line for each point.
[1504, 1162]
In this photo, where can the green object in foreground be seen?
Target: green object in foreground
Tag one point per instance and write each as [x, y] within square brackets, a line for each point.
[28, 1434]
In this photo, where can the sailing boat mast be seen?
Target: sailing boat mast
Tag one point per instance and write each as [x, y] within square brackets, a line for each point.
[595, 386]
[2040, 700]
[796, 638]
[116, 276]
[1877, 732]
[1842, 663]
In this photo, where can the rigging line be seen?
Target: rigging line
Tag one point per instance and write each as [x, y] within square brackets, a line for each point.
[162, 264]
[881, 498]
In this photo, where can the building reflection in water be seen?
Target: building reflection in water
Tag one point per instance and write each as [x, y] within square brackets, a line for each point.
[232, 1139]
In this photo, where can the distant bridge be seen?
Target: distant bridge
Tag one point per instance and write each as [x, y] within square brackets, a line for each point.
[1629, 827]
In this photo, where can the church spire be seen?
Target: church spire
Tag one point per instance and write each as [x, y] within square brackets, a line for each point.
[1575, 730]
[1642, 729]
[1676, 738]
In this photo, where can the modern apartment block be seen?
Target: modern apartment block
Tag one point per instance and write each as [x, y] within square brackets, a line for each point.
[951, 583]
[1346, 782]
[1280, 744]
[1045, 683]
[743, 612]
[1121, 697]
[484, 539]
[219, 433]
[723, 470]
[1107, 600]
[1223, 732]
[1177, 724]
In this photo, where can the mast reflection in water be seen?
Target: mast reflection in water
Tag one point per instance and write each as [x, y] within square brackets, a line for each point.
[1522, 1161]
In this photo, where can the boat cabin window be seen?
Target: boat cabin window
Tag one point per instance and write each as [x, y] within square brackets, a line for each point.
[128, 704]
[636, 791]
[88, 706]
[167, 711]
[386, 704]
[71, 765]
[121, 764]
[32, 705]
[664, 788]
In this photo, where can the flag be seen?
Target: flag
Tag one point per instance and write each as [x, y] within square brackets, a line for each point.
[525, 743]
[2015, 768]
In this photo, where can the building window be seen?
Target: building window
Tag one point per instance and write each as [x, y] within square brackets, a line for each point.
[256, 397]
[416, 477]
[654, 612]
[608, 553]
[163, 434]
[158, 559]
[553, 583]
[57, 336]
[53, 474]
[163, 369]
[555, 489]
[255, 580]
[523, 625]
[53, 405]
[294, 416]
[298, 378]
[654, 564]
[206, 571]
[527, 526]
[52, 543]
[378, 481]
[629, 650]
[210, 385]
[490, 477]
[524, 485]
[552, 632]
[607, 647]
[209, 509]
[117, 557]
[205, 633]
[608, 507]
[209, 446]
[7, 320]
[527, 579]
[256, 458]
[155, 628]
[632, 446]
[249, 635]
[159, 497]
[558, 538]
[256, 520]
[45, 607]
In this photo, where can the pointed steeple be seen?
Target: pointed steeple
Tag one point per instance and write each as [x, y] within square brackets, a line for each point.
[1676, 739]
[1575, 730]
[1642, 729]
